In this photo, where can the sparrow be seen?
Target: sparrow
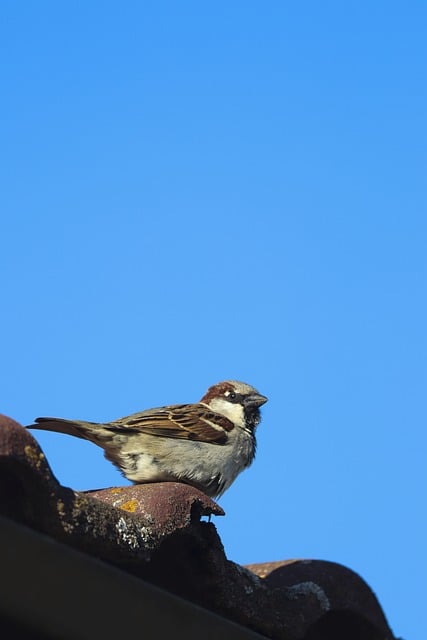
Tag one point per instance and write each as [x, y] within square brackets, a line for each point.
[206, 444]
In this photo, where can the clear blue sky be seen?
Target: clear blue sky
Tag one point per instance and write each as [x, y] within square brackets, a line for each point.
[197, 191]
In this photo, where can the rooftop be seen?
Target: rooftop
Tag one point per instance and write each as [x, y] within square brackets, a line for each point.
[124, 557]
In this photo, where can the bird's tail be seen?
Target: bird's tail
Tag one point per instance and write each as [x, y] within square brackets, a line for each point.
[60, 425]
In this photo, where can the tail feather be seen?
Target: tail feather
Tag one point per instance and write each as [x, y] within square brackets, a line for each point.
[60, 425]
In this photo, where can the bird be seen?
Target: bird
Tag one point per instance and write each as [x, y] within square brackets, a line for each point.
[206, 444]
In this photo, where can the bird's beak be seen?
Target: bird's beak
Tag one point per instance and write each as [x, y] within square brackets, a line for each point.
[256, 399]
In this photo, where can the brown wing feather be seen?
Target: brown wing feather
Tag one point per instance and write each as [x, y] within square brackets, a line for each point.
[191, 422]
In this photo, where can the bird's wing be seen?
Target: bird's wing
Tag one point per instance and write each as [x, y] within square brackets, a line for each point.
[187, 421]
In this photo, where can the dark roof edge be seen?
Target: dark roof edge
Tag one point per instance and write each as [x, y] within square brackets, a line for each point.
[82, 597]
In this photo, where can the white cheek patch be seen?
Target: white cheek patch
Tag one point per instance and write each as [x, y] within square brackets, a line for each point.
[230, 410]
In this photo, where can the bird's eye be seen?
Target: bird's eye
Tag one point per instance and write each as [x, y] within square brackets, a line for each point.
[232, 395]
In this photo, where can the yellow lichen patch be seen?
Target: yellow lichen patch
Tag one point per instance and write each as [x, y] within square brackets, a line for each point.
[80, 504]
[67, 526]
[130, 505]
[116, 490]
[80, 501]
[34, 455]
